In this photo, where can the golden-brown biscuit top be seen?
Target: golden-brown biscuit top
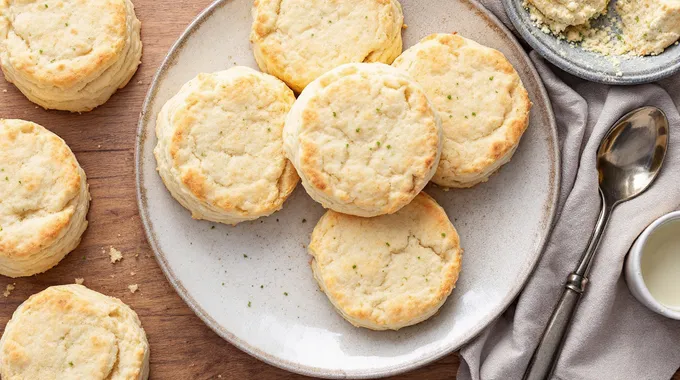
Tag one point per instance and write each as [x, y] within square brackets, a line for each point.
[62, 43]
[39, 178]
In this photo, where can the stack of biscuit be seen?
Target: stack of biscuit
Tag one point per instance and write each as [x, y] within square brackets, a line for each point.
[67, 54]
[365, 136]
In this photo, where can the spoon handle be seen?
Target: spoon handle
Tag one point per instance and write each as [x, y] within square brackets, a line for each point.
[545, 357]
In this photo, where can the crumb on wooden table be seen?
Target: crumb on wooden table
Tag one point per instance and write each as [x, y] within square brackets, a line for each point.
[80, 280]
[115, 255]
[132, 273]
[133, 288]
[8, 289]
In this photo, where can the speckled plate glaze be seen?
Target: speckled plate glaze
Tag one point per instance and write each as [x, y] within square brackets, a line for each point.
[252, 283]
[588, 65]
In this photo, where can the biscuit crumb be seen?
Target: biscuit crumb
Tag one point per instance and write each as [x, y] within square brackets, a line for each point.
[80, 281]
[115, 255]
[5, 90]
[133, 288]
[140, 82]
[132, 273]
[99, 146]
[8, 289]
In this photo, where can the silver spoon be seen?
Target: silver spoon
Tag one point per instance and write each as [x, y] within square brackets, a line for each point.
[628, 161]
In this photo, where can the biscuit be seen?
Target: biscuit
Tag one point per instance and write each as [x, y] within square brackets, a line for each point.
[219, 148]
[650, 26]
[390, 271]
[573, 12]
[481, 100]
[299, 40]
[364, 139]
[72, 332]
[67, 54]
[44, 199]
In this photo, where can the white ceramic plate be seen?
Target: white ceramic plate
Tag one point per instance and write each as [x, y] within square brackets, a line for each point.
[220, 271]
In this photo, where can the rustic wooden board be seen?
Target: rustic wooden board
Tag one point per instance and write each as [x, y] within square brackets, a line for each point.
[182, 347]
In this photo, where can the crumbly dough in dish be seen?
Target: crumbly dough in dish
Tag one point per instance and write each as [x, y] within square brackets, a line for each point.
[220, 152]
[298, 40]
[482, 103]
[69, 55]
[72, 332]
[390, 271]
[563, 13]
[364, 139]
[649, 26]
[43, 199]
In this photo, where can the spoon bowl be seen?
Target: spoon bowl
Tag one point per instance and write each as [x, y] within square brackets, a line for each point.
[631, 154]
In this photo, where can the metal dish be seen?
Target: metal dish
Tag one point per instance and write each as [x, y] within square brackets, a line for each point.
[588, 65]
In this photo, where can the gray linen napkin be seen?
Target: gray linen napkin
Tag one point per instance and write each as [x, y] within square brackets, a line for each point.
[613, 336]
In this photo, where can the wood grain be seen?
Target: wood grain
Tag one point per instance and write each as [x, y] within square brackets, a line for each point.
[104, 141]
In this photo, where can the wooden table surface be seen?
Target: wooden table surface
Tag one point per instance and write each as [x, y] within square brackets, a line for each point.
[182, 347]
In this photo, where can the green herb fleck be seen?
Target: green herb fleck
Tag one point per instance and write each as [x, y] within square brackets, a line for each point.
[46, 6]
[619, 37]
[418, 257]
[443, 234]
[269, 129]
[450, 97]
[312, 34]
[377, 110]
[285, 294]
[426, 280]
[304, 220]
[491, 78]
[330, 22]
[19, 182]
[457, 83]
[245, 256]
[261, 286]
[6, 178]
[335, 114]
[405, 278]
[377, 143]
[70, 363]
[387, 243]
[223, 284]
[389, 146]
[41, 51]
[474, 114]
[466, 116]
[354, 266]
[347, 145]
[249, 304]
[637, 18]
[212, 227]
[66, 24]
[358, 129]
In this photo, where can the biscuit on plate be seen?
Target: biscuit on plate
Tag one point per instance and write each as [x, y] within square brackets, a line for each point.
[650, 26]
[390, 271]
[69, 55]
[72, 332]
[482, 103]
[364, 139]
[220, 152]
[43, 199]
[298, 40]
[572, 12]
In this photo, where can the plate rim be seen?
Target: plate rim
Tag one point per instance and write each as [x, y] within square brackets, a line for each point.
[525, 31]
[310, 370]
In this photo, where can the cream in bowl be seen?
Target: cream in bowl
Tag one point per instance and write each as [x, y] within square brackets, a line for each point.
[653, 266]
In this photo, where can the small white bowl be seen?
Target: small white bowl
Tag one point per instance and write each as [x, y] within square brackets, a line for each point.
[633, 269]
